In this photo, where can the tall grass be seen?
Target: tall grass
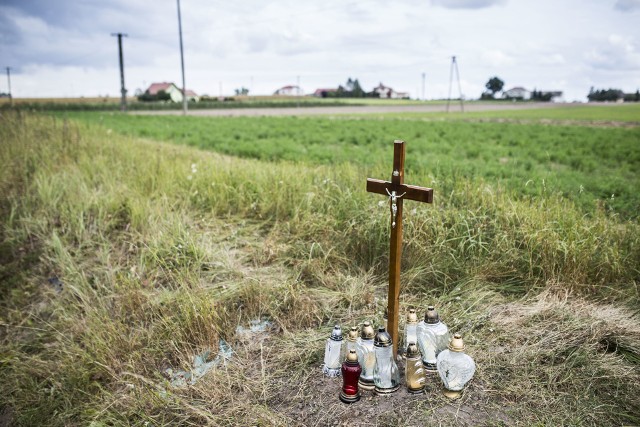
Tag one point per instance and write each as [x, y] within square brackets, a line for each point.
[163, 249]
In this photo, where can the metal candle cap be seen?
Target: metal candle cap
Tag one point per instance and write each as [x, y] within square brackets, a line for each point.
[353, 334]
[412, 351]
[412, 317]
[456, 343]
[336, 334]
[367, 332]
[382, 338]
[431, 316]
[352, 356]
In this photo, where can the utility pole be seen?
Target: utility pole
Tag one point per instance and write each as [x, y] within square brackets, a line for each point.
[9, 83]
[123, 91]
[454, 64]
[184, 86]
[423, 76]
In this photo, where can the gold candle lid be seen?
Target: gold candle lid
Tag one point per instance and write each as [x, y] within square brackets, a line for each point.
[367, 332]
[412, 351]
[382, 338]
[456, 343]
[431, 316]
[352, 356]
[412, 317]
[353, 334]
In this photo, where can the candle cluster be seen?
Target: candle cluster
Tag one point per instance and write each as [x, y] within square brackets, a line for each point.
[366, 362]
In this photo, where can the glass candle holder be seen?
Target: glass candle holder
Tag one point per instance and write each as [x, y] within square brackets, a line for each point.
[366, 356]
[410, 330]
[333, 353]
[352, 340]
[350, 374]
[386, 376]
[414, 371]
[433, 337]
[455, 368]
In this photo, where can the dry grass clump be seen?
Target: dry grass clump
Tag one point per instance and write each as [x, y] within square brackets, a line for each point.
[162, 251]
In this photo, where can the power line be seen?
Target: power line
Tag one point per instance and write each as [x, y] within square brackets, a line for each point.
[123, 91]
[454, 64]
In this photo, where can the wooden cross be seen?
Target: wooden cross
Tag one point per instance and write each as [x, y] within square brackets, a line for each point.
[397, 191]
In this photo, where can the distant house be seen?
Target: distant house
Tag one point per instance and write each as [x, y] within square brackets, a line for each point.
[175, 94]
[289, 91]
[323, 93]
[517, 93]
[387, 92]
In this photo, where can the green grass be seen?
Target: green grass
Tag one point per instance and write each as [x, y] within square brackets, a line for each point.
[598, 113]
[596, 168]
[159, 261]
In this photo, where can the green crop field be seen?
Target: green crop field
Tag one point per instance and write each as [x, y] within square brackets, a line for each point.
[131, 245]
[596, 168]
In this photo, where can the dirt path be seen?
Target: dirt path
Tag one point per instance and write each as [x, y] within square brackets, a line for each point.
[354, 109]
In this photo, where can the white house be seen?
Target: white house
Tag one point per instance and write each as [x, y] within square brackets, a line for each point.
[387, 92]
[174, 92]
[517, 93]
[289, 90]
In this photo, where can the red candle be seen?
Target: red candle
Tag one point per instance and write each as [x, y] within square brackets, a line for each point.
[350, 375]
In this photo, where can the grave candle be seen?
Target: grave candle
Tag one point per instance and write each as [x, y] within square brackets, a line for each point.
[414, 371]
[350, 374]
[433, 337]
[352, 339]
[366, 356]
[410, 330]
[455, 368]
[385, 372]
[333, 353]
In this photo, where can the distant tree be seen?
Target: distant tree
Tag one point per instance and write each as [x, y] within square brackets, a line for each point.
[357, 91]
[242, 91]
[494, 85]
[602, 95]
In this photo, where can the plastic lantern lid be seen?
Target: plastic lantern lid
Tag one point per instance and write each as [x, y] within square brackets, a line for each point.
[412, 317]
[382, 338]
[456, 343]
[353, 334]
[431, 316]
[352, 356]
[336, 334]
[412, 350]
[367, 332]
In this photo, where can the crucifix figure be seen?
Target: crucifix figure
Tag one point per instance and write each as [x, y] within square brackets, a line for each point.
[397, 191]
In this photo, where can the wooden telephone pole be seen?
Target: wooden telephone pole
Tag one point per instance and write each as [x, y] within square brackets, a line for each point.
[123, 91]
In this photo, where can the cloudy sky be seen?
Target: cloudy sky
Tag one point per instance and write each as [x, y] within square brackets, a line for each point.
[62, 48]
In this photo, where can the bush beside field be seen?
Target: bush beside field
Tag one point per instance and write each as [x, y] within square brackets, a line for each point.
[163, 249]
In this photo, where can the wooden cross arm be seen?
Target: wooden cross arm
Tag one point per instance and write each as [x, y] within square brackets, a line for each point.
[413, 192]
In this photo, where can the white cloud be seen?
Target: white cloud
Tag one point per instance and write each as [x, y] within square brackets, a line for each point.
[627, 5]
[467, 4]
[496, 58]
[616, 53]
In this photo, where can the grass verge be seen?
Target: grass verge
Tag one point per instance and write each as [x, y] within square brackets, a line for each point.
[162, 250]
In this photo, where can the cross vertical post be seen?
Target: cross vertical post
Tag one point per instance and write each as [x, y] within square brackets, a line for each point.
[396, 190]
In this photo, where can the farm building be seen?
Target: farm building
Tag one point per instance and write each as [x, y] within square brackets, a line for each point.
[517, 93]
[323, 93]
[175, 93]
[387, 92]
[289, 90]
